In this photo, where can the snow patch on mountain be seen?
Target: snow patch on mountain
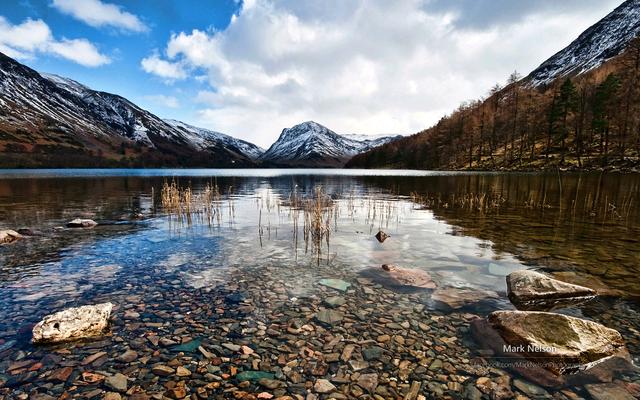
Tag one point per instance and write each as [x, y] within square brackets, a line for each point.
[602, 41]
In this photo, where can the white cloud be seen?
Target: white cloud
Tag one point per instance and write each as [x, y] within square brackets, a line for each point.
[79, 50]
[98, 14]
[358, 67]
[163, 100]
[164, 69]
[25, 40]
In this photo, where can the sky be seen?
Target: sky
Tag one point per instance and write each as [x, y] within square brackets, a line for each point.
[251, 68]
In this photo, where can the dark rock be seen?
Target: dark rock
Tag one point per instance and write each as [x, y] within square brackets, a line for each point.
[381, 236]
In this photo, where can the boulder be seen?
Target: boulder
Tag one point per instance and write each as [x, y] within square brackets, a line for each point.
[73, 323]
[410, 277]
[381, 236]
[9, 236]
[530, 290]
[547, 369]
[459, 297]
[567, 344]
[81, 223]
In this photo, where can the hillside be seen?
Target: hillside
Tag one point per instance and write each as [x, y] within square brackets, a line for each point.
[579, 110]
[51, 121]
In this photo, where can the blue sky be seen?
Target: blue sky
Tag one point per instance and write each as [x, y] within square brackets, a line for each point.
[252, 68]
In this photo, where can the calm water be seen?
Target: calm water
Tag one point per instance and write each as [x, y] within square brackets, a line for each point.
[468, 230]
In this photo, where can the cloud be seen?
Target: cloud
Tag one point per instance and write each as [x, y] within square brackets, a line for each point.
[163, 100]
[164, 69]
[360, 67]
[98, 14]
[80, 51]
[25, 40]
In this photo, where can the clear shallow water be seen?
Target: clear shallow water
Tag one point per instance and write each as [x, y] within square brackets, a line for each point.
[526, 221]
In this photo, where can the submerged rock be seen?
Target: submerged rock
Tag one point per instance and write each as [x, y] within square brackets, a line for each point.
[254, 376]
[73, 323]
[81, 223]
[337, 284]
[566, 343]
[381, 236]
[530, 290]
[329, 317]
[29, 232]
[410, 277]
[9, 236]
[460, 297]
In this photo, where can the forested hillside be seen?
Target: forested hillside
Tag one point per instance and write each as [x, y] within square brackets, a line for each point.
[582, 120]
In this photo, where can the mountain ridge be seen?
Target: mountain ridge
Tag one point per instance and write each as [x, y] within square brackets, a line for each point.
[54, 121]
[600, 42]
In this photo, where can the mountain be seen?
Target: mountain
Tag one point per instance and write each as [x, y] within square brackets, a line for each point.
[310, 144]
[51, 121]
[204, 138]
[578, 110]
[605, 39]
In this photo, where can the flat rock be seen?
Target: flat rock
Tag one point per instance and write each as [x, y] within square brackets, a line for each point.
[329, 317]
[323, 386]
[128, 356]
[334, 301]
[530, 290]
[608, 391]
[81, 223]
[9, 236]
[460, 297]
[368, 382]
[409, 276]
[73, 323]
[254, 376]
[188, 347]
[337, 284]
[562, 341]
[162, 370]
[117, 382]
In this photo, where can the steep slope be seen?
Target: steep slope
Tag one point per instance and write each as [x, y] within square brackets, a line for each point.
[602, 41]
[310, 144]
[578, 110]
[204, 138]
[47, 120]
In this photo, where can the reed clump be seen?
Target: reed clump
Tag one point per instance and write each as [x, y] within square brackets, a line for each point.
[185, 206]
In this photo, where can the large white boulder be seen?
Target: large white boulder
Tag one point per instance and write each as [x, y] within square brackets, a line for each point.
[565, 343]
[73, 323]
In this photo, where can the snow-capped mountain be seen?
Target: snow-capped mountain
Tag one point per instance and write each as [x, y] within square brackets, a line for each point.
[313, 145]
[48, 120]
[203, 138]
[602, 41]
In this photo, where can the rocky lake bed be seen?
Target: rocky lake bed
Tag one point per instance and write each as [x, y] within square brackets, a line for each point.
[247, 310]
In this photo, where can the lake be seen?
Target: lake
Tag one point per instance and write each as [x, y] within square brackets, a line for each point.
[221, 259]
